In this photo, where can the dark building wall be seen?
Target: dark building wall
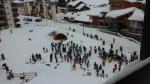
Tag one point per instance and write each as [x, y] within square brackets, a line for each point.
[121, 4]
[62, 3]
[146, 33]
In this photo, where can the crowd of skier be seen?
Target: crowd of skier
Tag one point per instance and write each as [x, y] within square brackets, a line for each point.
[80, 55]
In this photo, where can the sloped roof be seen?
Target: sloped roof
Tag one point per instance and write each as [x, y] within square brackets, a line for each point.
[22, 1]
[138, 15]
[132, 1]
[80, 6]
[117, 13]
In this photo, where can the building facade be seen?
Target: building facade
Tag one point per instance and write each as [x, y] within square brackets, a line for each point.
[8, 14]
[41, 8]
[122, 4]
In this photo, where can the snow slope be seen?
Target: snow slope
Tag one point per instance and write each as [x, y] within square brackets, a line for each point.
[18, 49]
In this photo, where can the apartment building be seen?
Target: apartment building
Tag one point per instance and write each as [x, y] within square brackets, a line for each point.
[42, 8]
[8, 15]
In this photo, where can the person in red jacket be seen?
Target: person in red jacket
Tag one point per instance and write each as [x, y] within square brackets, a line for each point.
[74, 66]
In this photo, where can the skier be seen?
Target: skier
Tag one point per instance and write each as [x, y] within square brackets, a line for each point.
[40, 58]
[97, 72]
[74, 66]
[95, 65]
[2, 56]
[10, 75]
[113, 40]
[11, 31]
[5, 67]
[37, 56]
[87, 64]
[115, 67]
[44, 49]
[111, 46]
[29, 39]
[51, 57]
[121, 48]
[95, 49]
[100, 67]
[56, 59]
[103, 73]
[103, 62]
[103, 42]
[33, 58]
[120, 64]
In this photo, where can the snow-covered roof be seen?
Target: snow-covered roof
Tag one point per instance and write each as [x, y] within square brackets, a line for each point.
[89, 2]
[142, 1]
[97, 11]
[80, 6]
[73, 3]
[138, 15]
[22, 1]
[85, 15]
[117, 13]
[98, 2]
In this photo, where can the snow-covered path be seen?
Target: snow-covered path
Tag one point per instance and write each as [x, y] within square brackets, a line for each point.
[18, 49]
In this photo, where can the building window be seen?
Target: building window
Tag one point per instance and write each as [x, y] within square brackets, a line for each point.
[116, 4]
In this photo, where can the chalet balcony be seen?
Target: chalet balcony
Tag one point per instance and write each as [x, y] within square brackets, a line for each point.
[3, 19]
[1, 6]
[33, 7]
[15, 14]
[2, 13]
[16, 20]
[15, 9]
[4, 24]
[18, 25]
[33, 11]
[13, 4]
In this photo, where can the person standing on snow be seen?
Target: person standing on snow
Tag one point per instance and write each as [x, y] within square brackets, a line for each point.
[2, 56]
[87, 64]
[74, 66]
[51, 57]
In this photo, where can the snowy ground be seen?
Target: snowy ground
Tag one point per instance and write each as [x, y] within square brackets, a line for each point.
[18, 49]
